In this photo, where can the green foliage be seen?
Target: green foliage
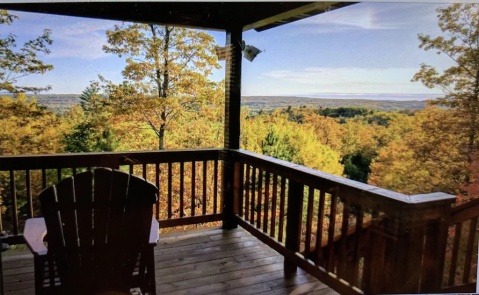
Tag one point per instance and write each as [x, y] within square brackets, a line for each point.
[294, 115]
[87, 95]
[15, 64]
[344, 112]
[91, 131]
[277, 147]
[85, 138]
[357, 166]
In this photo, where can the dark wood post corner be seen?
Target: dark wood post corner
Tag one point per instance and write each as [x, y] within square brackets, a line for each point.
[413, 243]
[234, 37]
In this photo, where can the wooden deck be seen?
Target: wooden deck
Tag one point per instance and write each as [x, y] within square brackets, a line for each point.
[203, 261]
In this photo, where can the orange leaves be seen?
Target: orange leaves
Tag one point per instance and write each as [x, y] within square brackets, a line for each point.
[166, 74]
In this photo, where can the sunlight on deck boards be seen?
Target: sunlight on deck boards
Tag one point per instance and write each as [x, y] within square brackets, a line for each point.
[202, 261]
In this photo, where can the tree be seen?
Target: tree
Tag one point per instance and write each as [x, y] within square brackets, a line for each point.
[166, 71]
[328, 130]
[274, 134]
[427, 159]
[91, 131]
[24, 62]
[27, 127]
[277, 147]
[86, 96]
[460, 83]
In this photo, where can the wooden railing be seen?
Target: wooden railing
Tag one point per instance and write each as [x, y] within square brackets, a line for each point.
[354, 237]
[461, 250]
[189, 183]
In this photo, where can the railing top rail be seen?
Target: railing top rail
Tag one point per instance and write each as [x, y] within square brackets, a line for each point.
[300, 173]
[107, 159]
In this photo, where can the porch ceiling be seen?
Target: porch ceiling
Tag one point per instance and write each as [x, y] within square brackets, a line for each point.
[207, 15]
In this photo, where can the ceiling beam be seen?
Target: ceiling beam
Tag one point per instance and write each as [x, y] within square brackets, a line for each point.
[295, 14]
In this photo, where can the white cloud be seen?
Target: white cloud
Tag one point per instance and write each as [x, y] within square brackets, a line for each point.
[72, 36]
[345, 80]
[83, 39]
[370, 16]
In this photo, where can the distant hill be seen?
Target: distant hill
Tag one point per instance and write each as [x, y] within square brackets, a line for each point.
[63, 102]
[266, 103]
[58, 102]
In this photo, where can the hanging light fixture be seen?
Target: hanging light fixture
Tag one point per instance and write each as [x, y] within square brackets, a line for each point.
[249, 51]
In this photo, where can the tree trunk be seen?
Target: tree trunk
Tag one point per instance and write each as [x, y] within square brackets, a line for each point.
[163, 94]
[161, 138]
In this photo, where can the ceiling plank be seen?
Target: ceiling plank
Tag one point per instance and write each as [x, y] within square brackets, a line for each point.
[205, 15]
[295, 14]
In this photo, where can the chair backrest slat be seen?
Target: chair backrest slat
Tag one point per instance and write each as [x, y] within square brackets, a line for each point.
[98, 224]
[101, 198]
[66, 205]
[84, 203]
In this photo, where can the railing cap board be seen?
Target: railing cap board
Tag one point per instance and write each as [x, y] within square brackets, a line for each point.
[351, 184]
[106, 159]
[431, 197]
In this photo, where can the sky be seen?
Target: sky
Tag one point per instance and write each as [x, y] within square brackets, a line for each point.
[363, 50]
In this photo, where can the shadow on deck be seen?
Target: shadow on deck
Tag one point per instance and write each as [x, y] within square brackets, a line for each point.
[202, 261]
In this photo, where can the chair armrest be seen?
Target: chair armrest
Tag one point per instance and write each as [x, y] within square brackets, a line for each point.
[154, 232]
[35, 231]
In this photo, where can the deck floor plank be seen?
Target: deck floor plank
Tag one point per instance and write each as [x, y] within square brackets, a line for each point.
[200, 261]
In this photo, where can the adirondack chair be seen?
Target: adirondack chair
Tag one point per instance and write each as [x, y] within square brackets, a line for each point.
[100, 234]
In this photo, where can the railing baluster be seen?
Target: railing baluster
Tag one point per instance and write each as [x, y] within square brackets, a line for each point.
[74, 171]
[273, 206]
[260, 198]
[293, 226]
[215, 188]
[170, 198]
[246, 205]
[182, 180]
[29, 193]
[357, 245]
[373, 259]
[455, 252]
[343, 258]
[309, 222]
[131, 169]
[193, 188]
[44, 179]
[14, 202]
[205, 167]
[281, 209]
[469, 250]
[319, 233]
[59, 174]
[331, 232]
[266, 202]
[157, 178]
[239, 184]
[144, 170]
[253, 190]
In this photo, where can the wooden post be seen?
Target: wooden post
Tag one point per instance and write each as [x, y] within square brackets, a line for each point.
[407, 249]
[234, 37]
[293, 224]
